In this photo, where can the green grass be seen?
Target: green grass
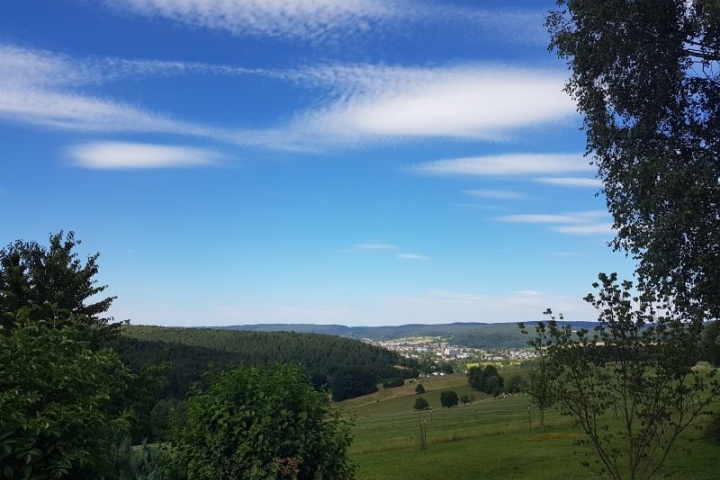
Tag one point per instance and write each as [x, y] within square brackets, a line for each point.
[485, 417]
[498, 456]
[517, 454]
[488, 439]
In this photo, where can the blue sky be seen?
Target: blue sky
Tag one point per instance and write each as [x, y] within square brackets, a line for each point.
[360, 162]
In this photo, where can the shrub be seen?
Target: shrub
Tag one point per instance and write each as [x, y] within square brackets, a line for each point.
[421, 404]
[262, 423]
[448, 398]
[394, 382]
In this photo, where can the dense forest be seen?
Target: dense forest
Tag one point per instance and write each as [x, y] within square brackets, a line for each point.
[189, 352]
[472, 334]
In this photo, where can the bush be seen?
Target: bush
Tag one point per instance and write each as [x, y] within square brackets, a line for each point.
[517, 384]
[394, 382]
[421, 404]
[56, 414]
[262, 423]
[465, 399]
[712, 429]
[420, 389]
[486, 380]
[448, 398]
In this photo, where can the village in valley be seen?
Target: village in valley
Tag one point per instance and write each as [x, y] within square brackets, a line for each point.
[437, 349]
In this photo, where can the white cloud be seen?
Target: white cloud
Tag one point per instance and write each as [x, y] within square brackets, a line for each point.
[496, 194]
[307, 19]
[122, 155]
[40, 88]
[412, 256]
[575, 217]
[571, 181]
[537, 218]
[487, 102]
[318, 20]
[356, 104]
[528, 293]
[374, 246]
[576, 223]
[592, 229]
[506, 164]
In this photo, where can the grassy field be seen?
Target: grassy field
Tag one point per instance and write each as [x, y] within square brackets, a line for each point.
[487, 439]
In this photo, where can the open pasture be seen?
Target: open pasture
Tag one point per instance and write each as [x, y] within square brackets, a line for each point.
[378, 432]
[487, 439]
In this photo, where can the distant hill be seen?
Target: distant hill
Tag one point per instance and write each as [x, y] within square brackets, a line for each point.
[465, 334]
[191, 350]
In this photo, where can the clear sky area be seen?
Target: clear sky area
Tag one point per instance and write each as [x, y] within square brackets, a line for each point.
[359, 162]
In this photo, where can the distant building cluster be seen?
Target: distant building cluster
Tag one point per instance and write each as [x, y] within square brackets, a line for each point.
[436, 347]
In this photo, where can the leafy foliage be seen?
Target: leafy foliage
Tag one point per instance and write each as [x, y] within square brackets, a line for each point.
[421, 404]
[543, 389]
[394, 382]
[56, 412]
[637, 363]
[448, 398]
[46, 280]
[646, 77]
[517, 384]
[262, 423]
[710, 343]
[487, 380]
[420, 389]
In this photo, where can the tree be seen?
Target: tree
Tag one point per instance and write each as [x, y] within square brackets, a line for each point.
[47, 280]
[421, 404]
[486, 380]
[467, 398]
[420, 389]
[262, 423]
[517, 384]
[56, 401]
[638, 364]
[645, 75]
[542, 388]
[710, 343]
[448, 398]
[63, 395]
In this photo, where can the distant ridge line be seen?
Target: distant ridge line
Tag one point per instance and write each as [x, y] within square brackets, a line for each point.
[467, 334]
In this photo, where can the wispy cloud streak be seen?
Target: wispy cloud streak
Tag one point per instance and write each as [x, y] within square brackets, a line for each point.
[124, 155]
[374, 246]
[304, 19]
[496, 194]
[571, 181]
[318, 20]
[356, 105]
[592, 222]
[526, 164]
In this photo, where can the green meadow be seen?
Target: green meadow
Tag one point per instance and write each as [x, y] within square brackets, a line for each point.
[491, 438]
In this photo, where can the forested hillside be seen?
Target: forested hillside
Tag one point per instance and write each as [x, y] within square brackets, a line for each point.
[473, 335]
[191, 350]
